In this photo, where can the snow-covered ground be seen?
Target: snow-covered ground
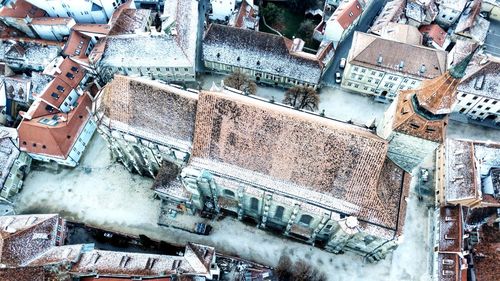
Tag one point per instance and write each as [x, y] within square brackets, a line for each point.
[103, 193]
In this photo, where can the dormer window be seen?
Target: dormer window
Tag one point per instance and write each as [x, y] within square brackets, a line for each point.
[49, 108]
[60, 88]
[258, 62]
[55, 96]
[74, 69]
[218, 55]
[70, 75]
[238, 58]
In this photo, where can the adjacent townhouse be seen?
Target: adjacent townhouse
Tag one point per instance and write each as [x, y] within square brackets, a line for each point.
[14, 164]
[28, 54]
[479, 90]
[435, 36]
[420, 12]
[341, 22]
[89, 11]
[471, 25]
[168, 55]
[382, 67]
[57, 127]
[19, 13]
[265, 57]
[449, 12]
[393, 11]
[492, 8]
[32, 248]
[54, 29]
[246, 17]
[468, 174]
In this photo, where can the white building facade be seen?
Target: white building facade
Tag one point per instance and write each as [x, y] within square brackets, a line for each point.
[222, 9]
[449, 11]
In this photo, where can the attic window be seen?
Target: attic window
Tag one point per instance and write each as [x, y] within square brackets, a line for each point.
[60, 88]
[54, 95]
[351, 14]
[68, 136]
[238, 58]
[258, 62]
[74, 69]
[414, 125]
[49, 108]
[479, 82]
[448, 272]
[448, 262]
[380, 59]
[24, 143]
[430, 129]
[34, 144]
[218, 55]
[449, 238]
[422, 69]
[44, 146]
[70, 75]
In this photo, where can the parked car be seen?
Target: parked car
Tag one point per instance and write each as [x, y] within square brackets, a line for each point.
[342, 63]
[338, 77]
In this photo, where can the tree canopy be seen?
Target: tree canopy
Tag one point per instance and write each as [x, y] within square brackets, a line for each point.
[273, 14]
[302, 97]
[241, 81]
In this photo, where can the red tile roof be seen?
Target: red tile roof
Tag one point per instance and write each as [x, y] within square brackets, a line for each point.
[92, 28]
[451, 229]
[435, 32]
[51, 21]
[55, 141]
[76, 45]
[348, 13]
[21, 9]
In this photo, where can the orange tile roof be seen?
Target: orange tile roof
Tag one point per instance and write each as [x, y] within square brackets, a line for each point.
[51, 21]
[55, 141]
[22, 9]
[451, 229]
[76, 45]
[346, 14]
[435, 32]
[92, 28]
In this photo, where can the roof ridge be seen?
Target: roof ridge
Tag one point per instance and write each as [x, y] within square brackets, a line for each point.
[28, 228]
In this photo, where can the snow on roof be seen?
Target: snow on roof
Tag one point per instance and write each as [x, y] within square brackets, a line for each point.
[457, 5]
[450, 229]
[151, 109]
[482, 77]
[32, 53]
[325, 162]
[263, 52]
[392, 12]
[23, 273]
[488, 154]
[8, 153]
[55, 255]
[478, 29]
[137, 50]
[131, 20]
[108, 263]
[38, 82]
[347, 12]
[367, 50]
[403, 33]
[463, 47]
[461, 180]
[17, 232]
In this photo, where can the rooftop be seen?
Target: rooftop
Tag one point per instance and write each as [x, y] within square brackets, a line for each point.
[384, 54]
[53, 21]
[487, 254]
[391, 12]
[457, 5]
[403, 33]
[31, 52]
[263, 144]
[150, 109]
[130, 21]
[435, 32]
[21, 9]
[261, 51]
[76, 45]
[347, 13]
[461, 179]
[482, 77]
[451, 229]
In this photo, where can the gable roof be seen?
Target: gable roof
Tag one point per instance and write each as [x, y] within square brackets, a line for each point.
[329, 163]
[130, 20]
[150, 109]
[435, 32]
[347, 13]
[261, 51]
[21, 9]
[482, 77]
[366, 50]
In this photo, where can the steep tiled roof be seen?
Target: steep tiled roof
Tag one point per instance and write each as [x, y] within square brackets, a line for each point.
[23, 274]
[130, 20]
[333, 164]
[102, 29]
[367, 50]
[403, 33]
[76, 45]
[482, 77]
[392, 11]
[36, 136]
[461, 179]
[17, 232]
[435, 32]
[451, 229]
[261, 51]
[21, 9]
[347, 13]
[53, 21]
[150, 109]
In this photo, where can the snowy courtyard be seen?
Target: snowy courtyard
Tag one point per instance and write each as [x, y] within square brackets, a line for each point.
[102, 193]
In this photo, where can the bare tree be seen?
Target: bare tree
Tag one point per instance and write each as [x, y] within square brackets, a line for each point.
[242, 82]
[302, 97]
[298, 271]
